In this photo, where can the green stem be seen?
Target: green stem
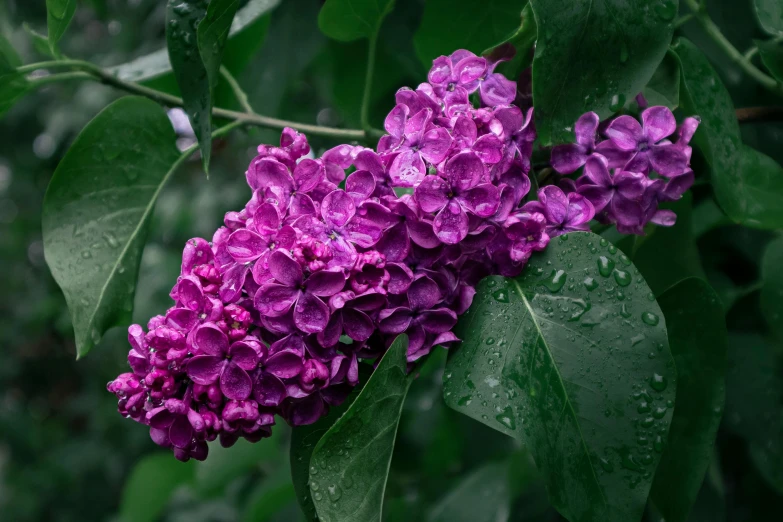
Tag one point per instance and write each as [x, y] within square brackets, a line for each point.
[750, 53]
[365, 113]
[239, 94]
[96, 73]
[713, 31]
[59, 77]
[683, 20]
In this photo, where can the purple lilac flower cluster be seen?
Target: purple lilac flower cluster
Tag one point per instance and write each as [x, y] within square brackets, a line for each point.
[273, 315]
[627, 175]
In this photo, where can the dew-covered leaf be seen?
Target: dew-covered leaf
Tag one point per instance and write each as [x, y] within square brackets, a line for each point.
[350, 464]
[594, 55]
[58, 17]
[697, 336]
[770, 15]
[475, 26]
[97, 208]
[347, 20]
[571, 358]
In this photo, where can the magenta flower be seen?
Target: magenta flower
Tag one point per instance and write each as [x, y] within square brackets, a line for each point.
[568, 157]
[218, 362]
[462, 69]
[291, 288]
[419, 142]
[564, 213]
[527, 234]
[462, 191]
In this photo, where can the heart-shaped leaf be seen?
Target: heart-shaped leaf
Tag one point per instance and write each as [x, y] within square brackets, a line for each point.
[571, 358]
[97, 208]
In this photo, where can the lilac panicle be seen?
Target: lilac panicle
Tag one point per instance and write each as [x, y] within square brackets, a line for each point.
[320, 270]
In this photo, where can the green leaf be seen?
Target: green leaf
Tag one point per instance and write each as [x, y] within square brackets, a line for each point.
[664, 86]
[9, 59]
[772, 56]
[697, 336]
[475, 26]
[58, 17]
[522, 41]
[97, 208]
[244, 28]
[213, 35]
[348, 20]
[571, 358]
[352, 459]
[747, 184]
[266, 500]
[303, 442]
[594, 55]
[482, 496]
[654, 257]
[13, 85]
[770, 15]
[150, 485]
[183, 18]
[772, 291]
[40, 42]
[754, 407]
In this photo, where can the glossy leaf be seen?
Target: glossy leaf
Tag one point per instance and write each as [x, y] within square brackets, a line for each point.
[572, 359]
[213, 35]
[594, 55]
[772, 56]
[150, 485]
[97, 208]
[523, 40]
[654, 258]
[770, 15]
[754, 401]
[348, 20]
[772, 289]
[303, 442]
[183, 18]
[58, 17]
[352, 459]
[475, 26]
[697, 336]
[746, 184]
[664, 86]
[157, 64]
[482, 496]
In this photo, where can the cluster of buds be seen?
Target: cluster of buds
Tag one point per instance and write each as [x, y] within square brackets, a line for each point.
[321, 270]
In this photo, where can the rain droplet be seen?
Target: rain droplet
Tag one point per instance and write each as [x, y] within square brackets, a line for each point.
[622, 277]
[666, 10]
[334, 492]
[501, 296]
[605, 266]
[658, 382]
[650, 318]
[555, 281]
[590, 283]
[506, 418]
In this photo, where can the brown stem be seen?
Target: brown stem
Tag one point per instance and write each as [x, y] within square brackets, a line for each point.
[758, 114]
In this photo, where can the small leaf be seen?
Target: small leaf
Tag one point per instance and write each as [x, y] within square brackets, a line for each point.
[475, 26]
[150, 485]
[594, 55]
[772, 56]
[58, 17]
[39, 41]
[770, 15]
[304, 440]
[571, 358]
[697, 336]
[97, 208]
[182, 20]
[772, 291]
[747, 185]
[664, 86]
[347, 20]
[352, 459]
[482, 496]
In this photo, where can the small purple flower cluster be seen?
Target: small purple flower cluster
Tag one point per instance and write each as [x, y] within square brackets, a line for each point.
[646, 167]
[273, 315]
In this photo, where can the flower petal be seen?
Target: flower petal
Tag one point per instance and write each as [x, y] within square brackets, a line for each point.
[235, 383]
[483, 200]
[464, 171]
[208, 339]
[181, 432]
[658, 123]
[337, 208]
[568, 157]
[285, 364]
[451, 224]
[275, 300]
[325, 283]
[311, 315]
[205, 369]
[625, 132]
[245, 246]
[438, 321]
[407, 169]
[284, 269]
[432, 193]
[423, 294]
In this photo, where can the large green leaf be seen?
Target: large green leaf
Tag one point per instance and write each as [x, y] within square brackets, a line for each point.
[772, 291]
[697, 336]
[475, 26]
[664, 86]
[770, 15]
[571, 358]
[754, 401]
[482, 496]
[772, 56]
[348, 20]
[248, 27]
[96, 211]
[150, 485]
[58, 17]
[747, 185]
[303, 442]
[350, 464]
[594, 55]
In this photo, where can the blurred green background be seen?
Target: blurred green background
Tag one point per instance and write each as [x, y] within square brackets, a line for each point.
[65, 453]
